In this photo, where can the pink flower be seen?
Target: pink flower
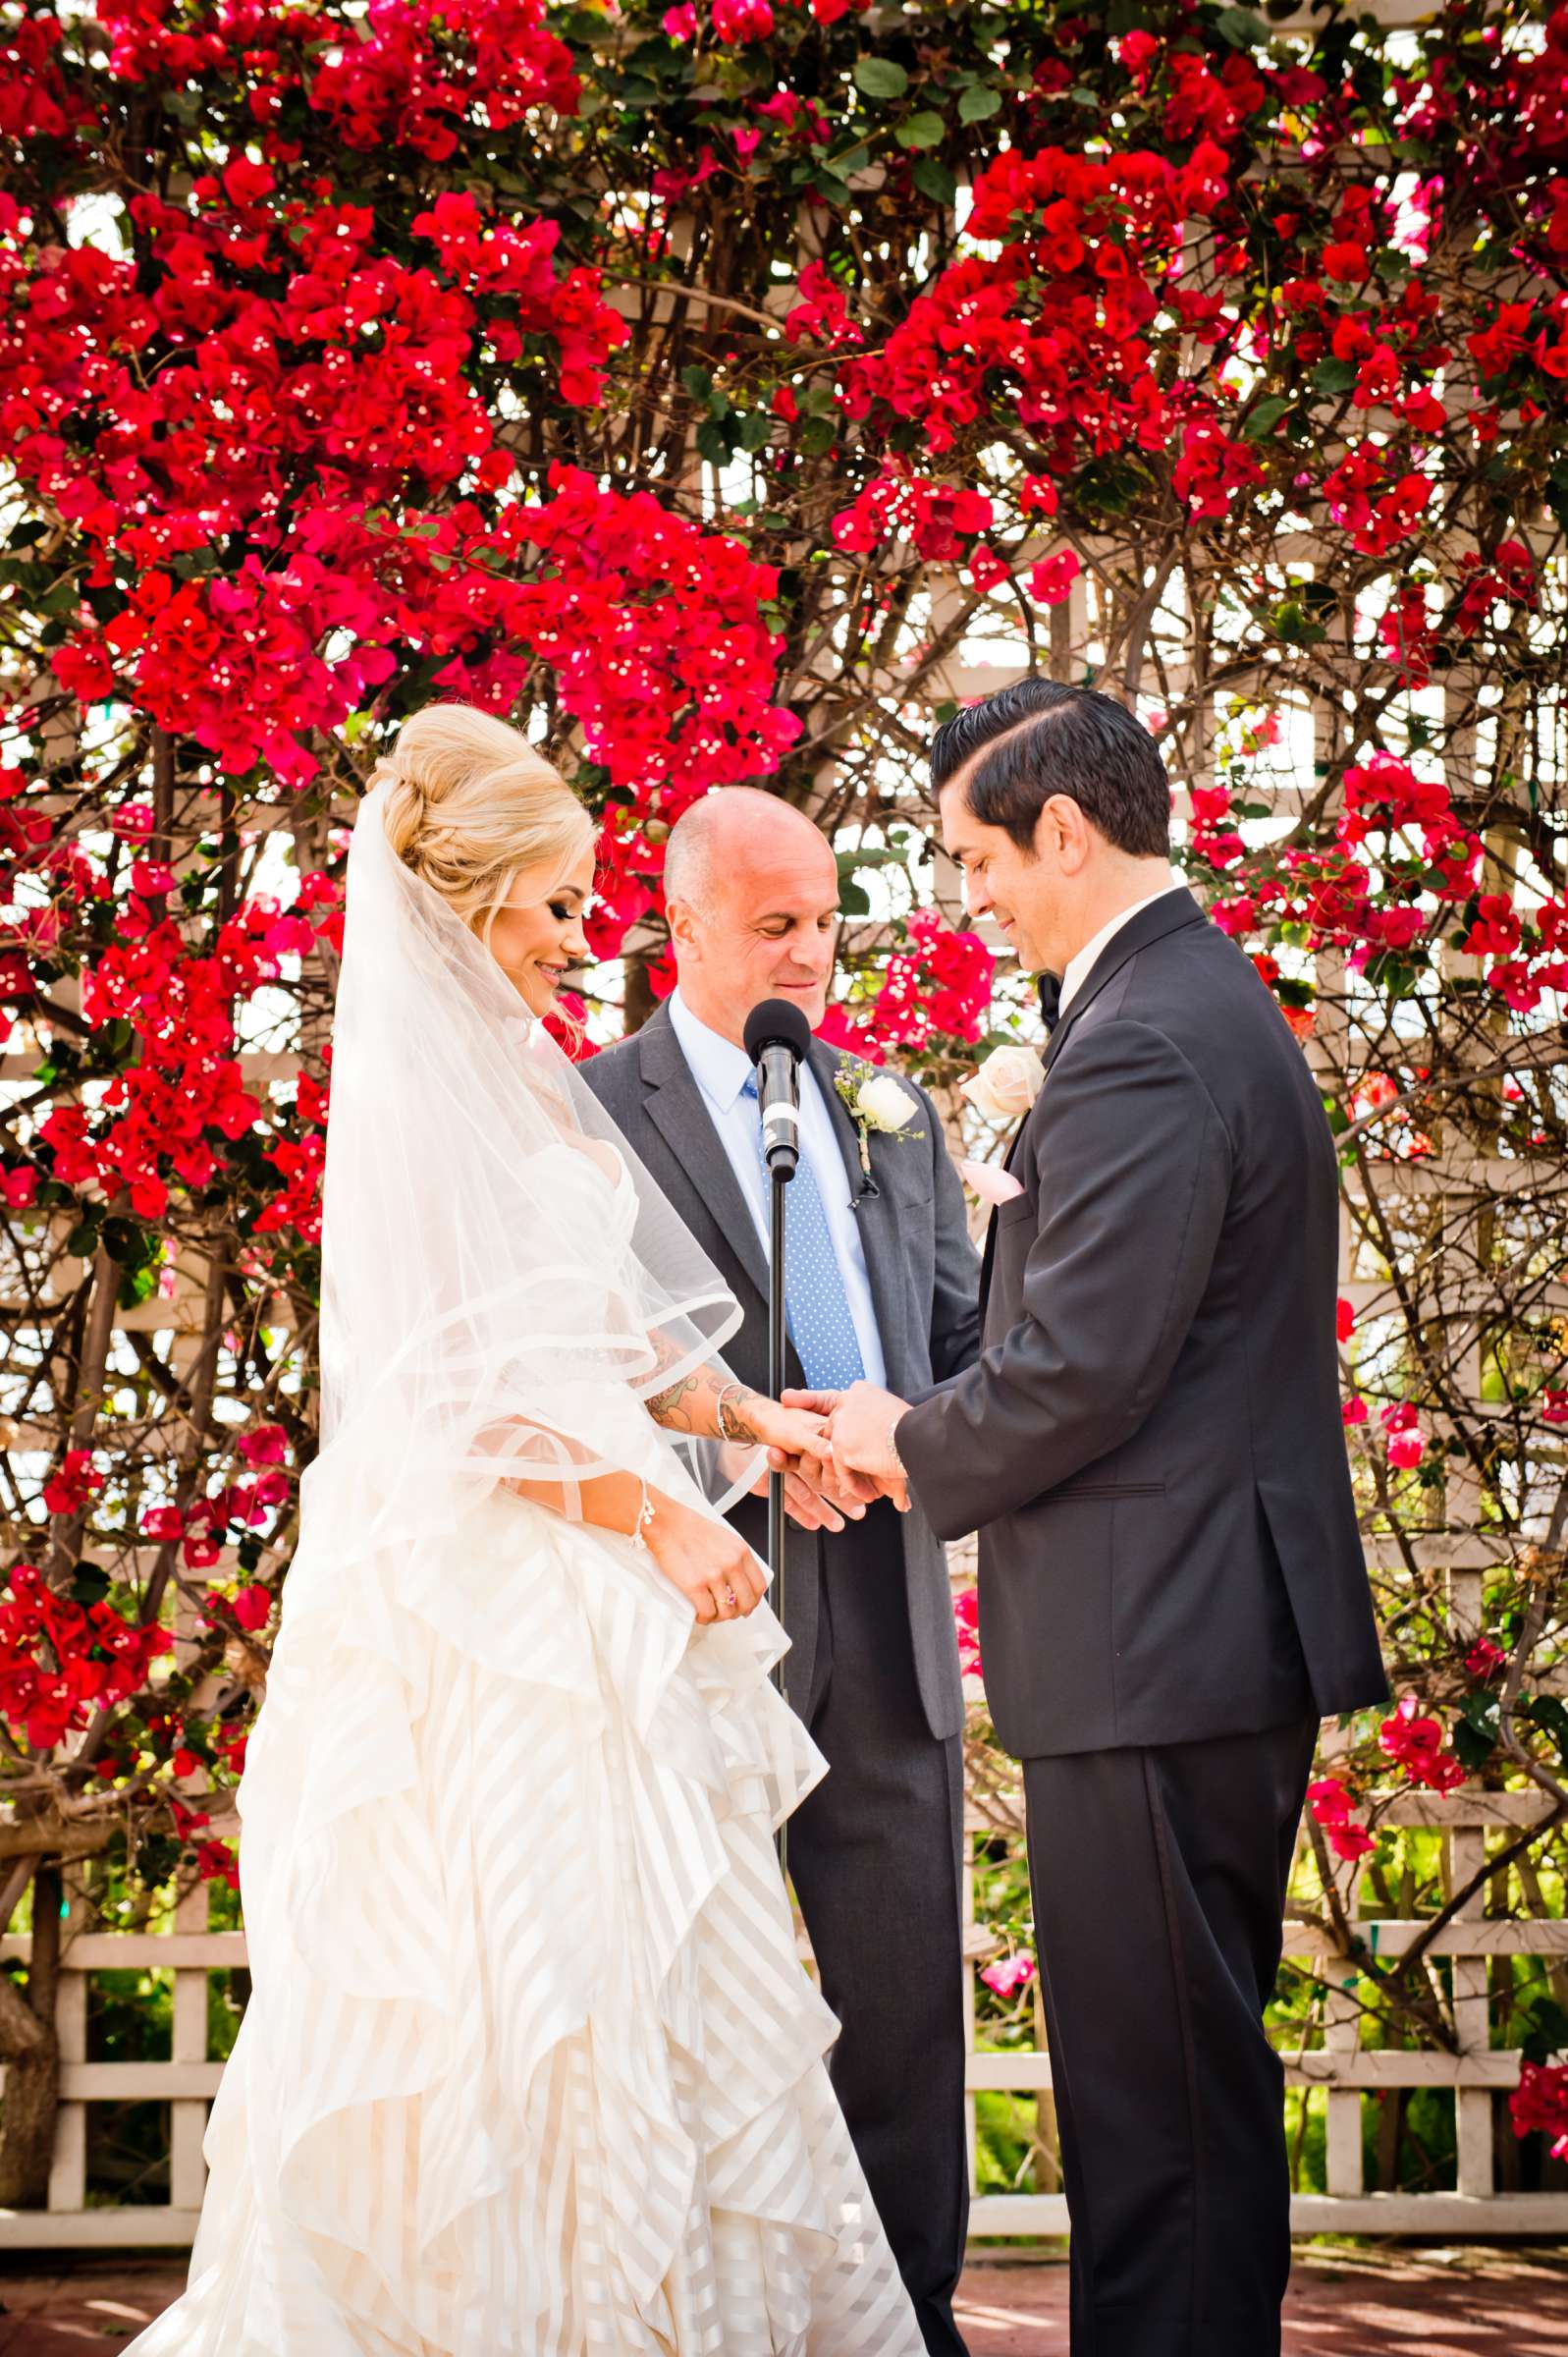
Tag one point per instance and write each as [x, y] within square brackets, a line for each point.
[1008, 1975]
[267, 1445]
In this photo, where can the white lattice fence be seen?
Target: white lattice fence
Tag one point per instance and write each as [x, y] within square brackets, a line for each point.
[1343, 2069]
[1346, 2070]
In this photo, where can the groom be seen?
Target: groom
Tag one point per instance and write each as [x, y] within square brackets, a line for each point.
[1171, 1589]
[886, 1290]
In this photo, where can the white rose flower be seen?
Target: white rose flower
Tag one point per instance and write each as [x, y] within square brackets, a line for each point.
[885, 1103]
[1005, 1085]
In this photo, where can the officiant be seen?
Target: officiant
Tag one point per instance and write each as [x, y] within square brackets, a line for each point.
[882, 1281]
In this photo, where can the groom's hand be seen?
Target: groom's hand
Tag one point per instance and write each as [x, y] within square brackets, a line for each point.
[847, 1483]
[860, 1428]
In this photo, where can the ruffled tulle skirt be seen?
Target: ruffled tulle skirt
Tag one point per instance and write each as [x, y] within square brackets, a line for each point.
[530, 2068]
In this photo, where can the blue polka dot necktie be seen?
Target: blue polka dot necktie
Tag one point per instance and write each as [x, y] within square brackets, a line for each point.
[816, 1304]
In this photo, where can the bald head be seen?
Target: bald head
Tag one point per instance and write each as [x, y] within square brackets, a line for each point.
[730, 832]
[753, 889]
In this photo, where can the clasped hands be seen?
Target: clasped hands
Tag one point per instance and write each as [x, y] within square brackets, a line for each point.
[834, 1451]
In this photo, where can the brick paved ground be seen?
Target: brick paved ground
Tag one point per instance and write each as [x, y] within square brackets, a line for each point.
[1363, 2303]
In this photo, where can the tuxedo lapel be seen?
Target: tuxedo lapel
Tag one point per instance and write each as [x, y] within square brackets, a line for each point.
[677, 1110]
[1168, 914]
[877, 1217]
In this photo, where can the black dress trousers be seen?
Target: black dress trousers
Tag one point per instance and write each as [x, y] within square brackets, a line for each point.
[1159, 1882]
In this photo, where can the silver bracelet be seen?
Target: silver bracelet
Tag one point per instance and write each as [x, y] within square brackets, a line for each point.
[898, 1465]
[638, 1533]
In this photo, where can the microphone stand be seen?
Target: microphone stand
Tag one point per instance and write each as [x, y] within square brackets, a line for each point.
[780, 1174]
[776, 1038]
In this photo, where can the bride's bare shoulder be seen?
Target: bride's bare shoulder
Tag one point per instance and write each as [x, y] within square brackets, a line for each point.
[603, 1157]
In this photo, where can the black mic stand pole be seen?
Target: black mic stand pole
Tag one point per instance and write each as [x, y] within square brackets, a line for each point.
[779, 1172]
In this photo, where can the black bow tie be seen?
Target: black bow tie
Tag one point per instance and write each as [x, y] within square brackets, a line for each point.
[1049, 989]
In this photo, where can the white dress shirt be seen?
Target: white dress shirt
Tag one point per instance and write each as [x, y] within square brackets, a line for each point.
[721, 1071]
[1078, 968]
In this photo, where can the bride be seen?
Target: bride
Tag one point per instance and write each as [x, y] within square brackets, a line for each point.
[530, 2068]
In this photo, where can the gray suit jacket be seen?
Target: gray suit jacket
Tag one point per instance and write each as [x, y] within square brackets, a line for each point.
[924, 1275]
[1151, 1437]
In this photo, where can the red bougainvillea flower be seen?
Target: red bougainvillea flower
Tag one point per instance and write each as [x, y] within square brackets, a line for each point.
[61, 1662]
[1009, 1974]
[967, 1621]
[74, 1481]
[1333, 1808]
[1539, 2105]
[1051, 580]
[1416, 1743]
[940, 982]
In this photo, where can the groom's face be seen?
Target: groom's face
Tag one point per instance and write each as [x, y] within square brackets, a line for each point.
[1027, 894]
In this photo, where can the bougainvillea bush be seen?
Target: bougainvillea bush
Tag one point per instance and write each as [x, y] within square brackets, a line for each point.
[722, 391]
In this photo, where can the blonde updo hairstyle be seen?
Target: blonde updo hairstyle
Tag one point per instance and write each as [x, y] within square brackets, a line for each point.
[471, 805]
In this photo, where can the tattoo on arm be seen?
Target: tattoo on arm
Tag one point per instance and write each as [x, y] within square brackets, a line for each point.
[737, 1424]
[666, 1408]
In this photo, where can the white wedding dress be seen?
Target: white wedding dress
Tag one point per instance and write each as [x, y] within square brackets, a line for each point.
[532, 2067]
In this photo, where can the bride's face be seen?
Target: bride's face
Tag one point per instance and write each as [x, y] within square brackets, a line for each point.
[538, 935]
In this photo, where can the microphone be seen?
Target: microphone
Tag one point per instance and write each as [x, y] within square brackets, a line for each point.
[776, 1037]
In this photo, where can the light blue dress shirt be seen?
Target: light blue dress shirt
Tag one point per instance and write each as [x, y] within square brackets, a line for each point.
[721, 1071]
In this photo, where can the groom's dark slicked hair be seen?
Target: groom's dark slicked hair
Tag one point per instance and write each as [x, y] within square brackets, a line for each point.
[1038, 737]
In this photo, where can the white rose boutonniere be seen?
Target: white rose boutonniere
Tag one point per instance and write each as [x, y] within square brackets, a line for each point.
[875, 1101]
[1005, 1085]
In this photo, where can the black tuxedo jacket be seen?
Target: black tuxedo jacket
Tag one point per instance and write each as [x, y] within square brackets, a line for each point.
[924, 1275]
[1150, 1444]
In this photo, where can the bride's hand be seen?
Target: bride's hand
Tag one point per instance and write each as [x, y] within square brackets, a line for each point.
[798, 1447]
[714, 1569]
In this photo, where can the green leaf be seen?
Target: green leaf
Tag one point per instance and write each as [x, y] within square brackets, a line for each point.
[1261, 421]
[1473, 1746]
[755, 428]
[697, 382]
[82, 1242]
[1293, 623]
[1241, 29]
[128, 1241]
[1113, 484]
[879, 77]
[817, 436]
[979, 105]
[921, 130]
[1550, 1716]
[89, 1584]
[115, 1038]
[853, 901]
[1334, 376]
[1556, 493]
[713, 443]
[933, 179]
